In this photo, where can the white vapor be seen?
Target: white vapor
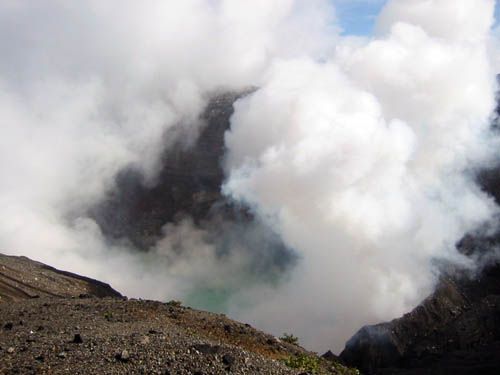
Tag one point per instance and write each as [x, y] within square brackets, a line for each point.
[361, 162]
[355, 151]
[87, 88]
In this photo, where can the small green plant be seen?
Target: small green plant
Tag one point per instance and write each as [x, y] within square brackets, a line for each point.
[304, 362]
[346, 370]
[314, 365]
[108, 316]
[174, 303]
[289, 338]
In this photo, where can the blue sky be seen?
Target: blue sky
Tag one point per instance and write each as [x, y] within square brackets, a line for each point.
[357, 17]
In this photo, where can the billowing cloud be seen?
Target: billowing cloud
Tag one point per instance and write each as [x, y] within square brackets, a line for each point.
[361, 164]
[354, 152]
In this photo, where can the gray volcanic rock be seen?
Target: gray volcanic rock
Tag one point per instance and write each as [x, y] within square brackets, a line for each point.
[22, 278]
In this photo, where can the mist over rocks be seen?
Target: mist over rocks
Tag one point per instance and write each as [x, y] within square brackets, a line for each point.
[365, 164]
[348, 175]
[455, 330]
[188, 181]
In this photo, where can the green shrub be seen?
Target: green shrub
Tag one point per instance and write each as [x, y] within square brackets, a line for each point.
[304, 362]
[314, 365]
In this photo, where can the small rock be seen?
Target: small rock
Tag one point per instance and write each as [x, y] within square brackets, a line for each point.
[122, 356]
[207, 349]
[77, 339]
[40, 358]
[10, 350]
[8, 326]
[145, 340]
[227, 328]
[228, 359]
[62, 355]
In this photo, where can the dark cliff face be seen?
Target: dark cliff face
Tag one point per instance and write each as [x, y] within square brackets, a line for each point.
[456, 330]
[188, 183]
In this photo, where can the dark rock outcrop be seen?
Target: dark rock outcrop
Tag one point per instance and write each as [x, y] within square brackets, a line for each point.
[188, 182]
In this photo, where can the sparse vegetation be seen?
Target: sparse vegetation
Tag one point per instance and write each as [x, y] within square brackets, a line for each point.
[289, 338]
[174, 303]
[108, 316]
[316, 366]
[344, 370]
[304, 362]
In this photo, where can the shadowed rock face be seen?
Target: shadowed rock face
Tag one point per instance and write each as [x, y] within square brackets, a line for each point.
[188, 183]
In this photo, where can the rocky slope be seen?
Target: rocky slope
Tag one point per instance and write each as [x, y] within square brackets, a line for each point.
[81, 326]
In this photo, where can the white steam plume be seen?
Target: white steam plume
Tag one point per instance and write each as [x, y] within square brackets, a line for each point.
[89, 87]
[353, 150]
[360, 164]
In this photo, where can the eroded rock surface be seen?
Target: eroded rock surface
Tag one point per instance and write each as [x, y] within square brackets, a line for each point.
[22, 278]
